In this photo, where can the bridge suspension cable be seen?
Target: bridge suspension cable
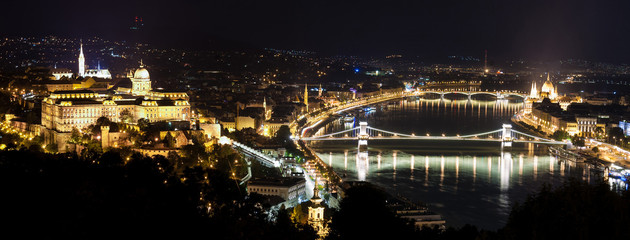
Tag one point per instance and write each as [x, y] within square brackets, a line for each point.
[380, 134]
[335, 133]
[534, 137]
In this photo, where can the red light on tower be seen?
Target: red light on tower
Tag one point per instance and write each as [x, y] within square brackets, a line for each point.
[137, 23]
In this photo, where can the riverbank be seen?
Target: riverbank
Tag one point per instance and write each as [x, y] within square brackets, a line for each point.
[605, 157]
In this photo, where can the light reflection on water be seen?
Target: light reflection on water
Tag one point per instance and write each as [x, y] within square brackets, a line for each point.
[465, 182]
[458, 179]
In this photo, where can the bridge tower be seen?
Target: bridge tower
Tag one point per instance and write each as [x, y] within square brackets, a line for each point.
[363, 136]
[506, 135]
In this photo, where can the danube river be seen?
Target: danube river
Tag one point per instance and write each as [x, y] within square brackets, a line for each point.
[464, 181]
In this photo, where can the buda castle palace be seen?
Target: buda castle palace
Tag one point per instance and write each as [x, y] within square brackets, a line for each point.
[126, 101]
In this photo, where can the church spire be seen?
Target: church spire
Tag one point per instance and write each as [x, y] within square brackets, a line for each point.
[320, 90]
[534, 92]
[306, 96]
[316, 200]
[81, 72]
[81, 44]
[547, 76]
[315, 192]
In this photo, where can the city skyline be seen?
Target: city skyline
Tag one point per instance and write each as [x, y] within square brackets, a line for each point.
[315, 120]
[537, 30]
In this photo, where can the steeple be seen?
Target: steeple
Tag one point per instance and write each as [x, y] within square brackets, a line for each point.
[316, 199]
[547, 76]
[320, 90]
[534, 92]
[315, 192]
[81, 72]
[306, 96]
[316, 212]
[99, 66]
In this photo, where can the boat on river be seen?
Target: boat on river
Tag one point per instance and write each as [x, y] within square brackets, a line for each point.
[564, 154]
[348, 118]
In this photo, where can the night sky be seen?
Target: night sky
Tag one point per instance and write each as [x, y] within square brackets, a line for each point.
[533, 29]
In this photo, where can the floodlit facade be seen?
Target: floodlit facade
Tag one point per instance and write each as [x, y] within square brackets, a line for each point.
[286, 188]
[64, 110]
[316, 214]
[548, 90]
[98, 72]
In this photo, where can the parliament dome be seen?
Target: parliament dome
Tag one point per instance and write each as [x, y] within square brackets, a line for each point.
[547, 87]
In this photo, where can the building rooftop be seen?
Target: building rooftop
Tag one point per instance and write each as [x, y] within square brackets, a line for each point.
[166, 91]
[74, 91]
[278, 182]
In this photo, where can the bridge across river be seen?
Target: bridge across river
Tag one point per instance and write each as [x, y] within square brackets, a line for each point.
[506, 135]
[497, 94]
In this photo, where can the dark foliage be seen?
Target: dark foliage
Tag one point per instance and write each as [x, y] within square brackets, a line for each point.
[364, 215]
[574, 211]
[53, 196]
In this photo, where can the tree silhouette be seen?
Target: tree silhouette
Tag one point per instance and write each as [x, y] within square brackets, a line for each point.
[615, 135]
[560, 135]
[126, 116]
[575, 210]
[364, 215]
[62, 195]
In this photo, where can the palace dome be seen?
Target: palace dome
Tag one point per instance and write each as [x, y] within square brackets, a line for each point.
[547, 87]
[141, 73]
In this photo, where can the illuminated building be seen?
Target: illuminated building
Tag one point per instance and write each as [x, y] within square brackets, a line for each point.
[81, 62]
[548, 90]
[59, 73]
[286, 188]
[625, 126]
[306, 96]
[64, 110]
[551, 115]
[534, 91]
[316, 214]
[98, 72]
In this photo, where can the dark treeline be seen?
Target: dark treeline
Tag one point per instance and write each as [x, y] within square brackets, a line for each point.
[62, 195]
[575, 210]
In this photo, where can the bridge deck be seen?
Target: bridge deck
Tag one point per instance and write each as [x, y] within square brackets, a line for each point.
[432, 138]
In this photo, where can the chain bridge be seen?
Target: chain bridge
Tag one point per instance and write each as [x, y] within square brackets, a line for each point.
[505, 135]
